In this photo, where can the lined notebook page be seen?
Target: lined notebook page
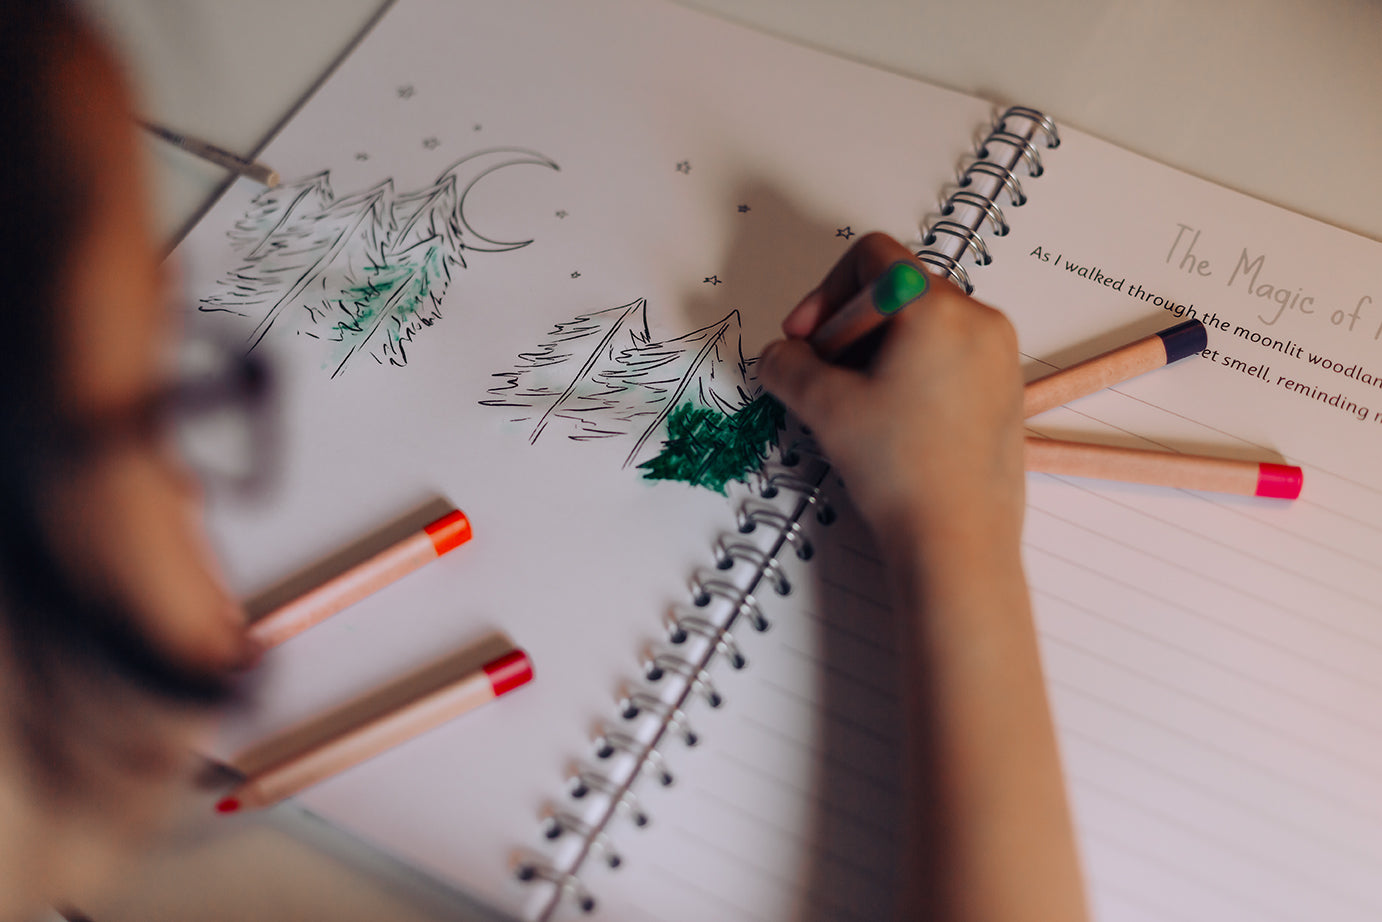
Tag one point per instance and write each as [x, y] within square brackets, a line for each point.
[789, 805]
[1215, 662]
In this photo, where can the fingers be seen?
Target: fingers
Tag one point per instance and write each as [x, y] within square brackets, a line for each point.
[809, 386]
[860, 265]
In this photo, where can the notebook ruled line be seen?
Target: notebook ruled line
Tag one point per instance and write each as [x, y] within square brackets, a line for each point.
[1232, 626]
[787, 885]
[835, 857]
[1234, 717]
[1230, 901]
[829, 757]
[1159, 639]
[1330, 797]
[1230, 847]
[1073, 737]
[830, 666]
[848, 631]
[865, 822]
[673, 872]
[841, 718]
[1230, 585]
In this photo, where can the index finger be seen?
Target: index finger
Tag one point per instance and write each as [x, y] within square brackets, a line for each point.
[861, 264]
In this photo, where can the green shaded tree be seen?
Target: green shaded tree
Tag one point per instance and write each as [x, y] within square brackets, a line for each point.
[709, 448]
[398, 297]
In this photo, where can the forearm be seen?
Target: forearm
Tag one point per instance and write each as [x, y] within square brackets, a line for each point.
[928, 437]
[988, 835]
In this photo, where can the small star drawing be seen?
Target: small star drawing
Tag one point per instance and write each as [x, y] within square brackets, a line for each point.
[405, 91]
[575, 275]
[743, 209]
[431, 143]
[362, 156]
[844, 232]
[684, 166]
[562, 213]
[713, 280]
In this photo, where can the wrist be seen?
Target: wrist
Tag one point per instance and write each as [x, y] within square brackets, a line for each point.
[966, 563]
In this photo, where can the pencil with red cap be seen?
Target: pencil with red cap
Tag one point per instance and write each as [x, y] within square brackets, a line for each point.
[365, 578]
[426, 712]
[1163, 468]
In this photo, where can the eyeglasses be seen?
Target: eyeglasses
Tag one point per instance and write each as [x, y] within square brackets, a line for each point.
[217, 415]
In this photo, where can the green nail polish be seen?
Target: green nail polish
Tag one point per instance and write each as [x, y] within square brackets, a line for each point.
[901, 284]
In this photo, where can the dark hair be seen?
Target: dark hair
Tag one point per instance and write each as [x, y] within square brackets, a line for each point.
[55, 629]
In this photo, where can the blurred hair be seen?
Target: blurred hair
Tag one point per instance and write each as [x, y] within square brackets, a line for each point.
[55, 632]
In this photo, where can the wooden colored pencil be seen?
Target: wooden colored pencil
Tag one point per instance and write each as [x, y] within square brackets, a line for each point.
[849, 335]
[1160, 468]
[363, 579]
[380, 734]
[1113, 367]
[209, 152]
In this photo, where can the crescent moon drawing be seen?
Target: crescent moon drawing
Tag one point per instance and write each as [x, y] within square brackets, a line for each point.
[469, 170]
[367, 271]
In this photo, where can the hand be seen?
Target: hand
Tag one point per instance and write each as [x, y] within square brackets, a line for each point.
[928, 435]
[928, 438]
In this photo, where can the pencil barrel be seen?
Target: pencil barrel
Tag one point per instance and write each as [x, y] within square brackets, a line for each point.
[1130, 465]
[1093, 375]
[369, 739]
[344, 590]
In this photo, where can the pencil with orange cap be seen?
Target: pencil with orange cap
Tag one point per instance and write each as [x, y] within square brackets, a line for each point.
[420, 548]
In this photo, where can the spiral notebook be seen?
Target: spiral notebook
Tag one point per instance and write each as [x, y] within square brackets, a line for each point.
[522, 261]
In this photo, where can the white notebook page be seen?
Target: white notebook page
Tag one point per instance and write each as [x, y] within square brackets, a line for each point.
[1212, 660]
[700, 170]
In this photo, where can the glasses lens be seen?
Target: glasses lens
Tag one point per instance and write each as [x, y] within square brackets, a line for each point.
[218, 417]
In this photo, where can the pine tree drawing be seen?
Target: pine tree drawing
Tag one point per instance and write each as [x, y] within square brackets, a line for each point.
[602, 375]
[708, 448]
[397, 297]
[368, 271]
[538, 386]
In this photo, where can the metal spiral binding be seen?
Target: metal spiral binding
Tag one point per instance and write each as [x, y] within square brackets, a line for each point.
[677, 671]
[811, 492]
[680, 628]
[748, 517]
[973, 201]
[586, 781]
[727, 552]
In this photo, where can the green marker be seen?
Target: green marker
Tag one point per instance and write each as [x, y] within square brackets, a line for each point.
[849, 335]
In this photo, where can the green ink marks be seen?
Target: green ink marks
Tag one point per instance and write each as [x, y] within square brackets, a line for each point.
[603, 375]
[393, 303]
[367, 271]
[708, 448]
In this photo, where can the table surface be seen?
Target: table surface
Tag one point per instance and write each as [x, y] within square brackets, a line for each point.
[1274, 98]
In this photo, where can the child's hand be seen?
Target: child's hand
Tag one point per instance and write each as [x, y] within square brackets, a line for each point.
[928, 436]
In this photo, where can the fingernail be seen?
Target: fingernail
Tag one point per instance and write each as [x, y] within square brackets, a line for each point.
[765, 357]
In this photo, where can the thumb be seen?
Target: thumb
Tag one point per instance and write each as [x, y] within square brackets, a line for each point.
[812, 388]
